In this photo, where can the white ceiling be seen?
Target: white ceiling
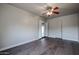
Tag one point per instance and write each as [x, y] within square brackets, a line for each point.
[38, 8]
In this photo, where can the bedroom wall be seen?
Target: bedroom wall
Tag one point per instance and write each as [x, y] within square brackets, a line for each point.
[65, 27]
[78, 26]
[17, 26]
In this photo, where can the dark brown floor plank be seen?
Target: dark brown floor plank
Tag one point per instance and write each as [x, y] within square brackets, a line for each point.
[45, 46]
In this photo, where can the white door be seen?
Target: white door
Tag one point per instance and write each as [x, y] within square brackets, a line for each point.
[54, 28]
[70, 28]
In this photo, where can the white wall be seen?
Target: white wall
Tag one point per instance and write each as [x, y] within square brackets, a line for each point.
[17, 26]
[65, 27]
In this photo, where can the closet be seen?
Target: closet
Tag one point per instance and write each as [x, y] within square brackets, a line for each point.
[65, 27]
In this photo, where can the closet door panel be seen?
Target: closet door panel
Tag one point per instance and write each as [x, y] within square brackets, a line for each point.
[69, 28]
[55, 28]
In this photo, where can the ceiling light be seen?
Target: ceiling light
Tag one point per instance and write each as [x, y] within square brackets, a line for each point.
[51, 10]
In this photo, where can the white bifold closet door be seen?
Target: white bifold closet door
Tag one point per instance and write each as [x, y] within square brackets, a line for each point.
[54, 28]
[65, 27]
[70, 27]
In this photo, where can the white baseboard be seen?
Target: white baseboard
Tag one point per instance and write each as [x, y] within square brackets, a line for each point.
[15, 45]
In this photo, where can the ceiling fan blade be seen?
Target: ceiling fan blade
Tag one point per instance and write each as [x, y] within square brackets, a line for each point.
[56, 12]
[55, 8]
[43, 13]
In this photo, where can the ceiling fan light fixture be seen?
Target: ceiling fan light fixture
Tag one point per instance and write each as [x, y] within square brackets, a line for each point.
[51, 10]
[49, 13]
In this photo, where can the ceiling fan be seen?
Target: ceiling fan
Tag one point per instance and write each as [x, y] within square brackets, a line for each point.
[49, 10]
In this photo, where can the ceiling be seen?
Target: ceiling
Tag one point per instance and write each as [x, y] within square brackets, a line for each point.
[38, 8]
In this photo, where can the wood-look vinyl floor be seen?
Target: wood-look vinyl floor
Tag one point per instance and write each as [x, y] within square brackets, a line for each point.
[45, 46]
